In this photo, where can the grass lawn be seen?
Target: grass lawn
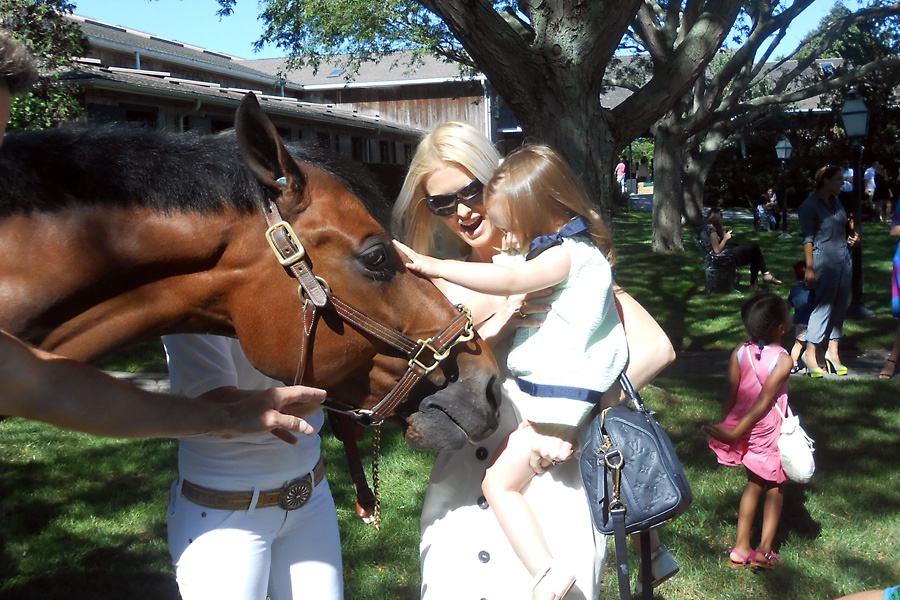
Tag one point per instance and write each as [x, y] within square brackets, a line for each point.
[84, 517]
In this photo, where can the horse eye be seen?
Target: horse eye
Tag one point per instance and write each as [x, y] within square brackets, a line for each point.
[375, 258]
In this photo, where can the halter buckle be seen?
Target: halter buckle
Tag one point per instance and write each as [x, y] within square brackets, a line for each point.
[286, 254]
[438, 356]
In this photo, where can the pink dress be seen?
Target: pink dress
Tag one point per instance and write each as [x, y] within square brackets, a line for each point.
[758, 449]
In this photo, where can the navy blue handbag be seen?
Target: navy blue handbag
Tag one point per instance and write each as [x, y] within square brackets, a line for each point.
[632, 478]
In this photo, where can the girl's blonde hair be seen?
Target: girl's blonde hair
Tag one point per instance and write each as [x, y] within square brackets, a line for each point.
[454, 143]
[537, 190]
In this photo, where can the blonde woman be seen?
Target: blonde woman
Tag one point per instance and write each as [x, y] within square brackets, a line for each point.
[464, 553]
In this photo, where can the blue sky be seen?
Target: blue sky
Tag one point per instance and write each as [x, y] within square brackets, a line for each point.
[195, 22]
[188, 21]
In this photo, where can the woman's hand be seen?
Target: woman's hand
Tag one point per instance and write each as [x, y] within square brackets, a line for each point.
[547, 450]
[853, 239]
[809, 278]
[727, 235]
[512, 312]
[529, 309]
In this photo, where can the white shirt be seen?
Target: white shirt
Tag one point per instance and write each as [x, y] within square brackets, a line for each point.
[200, 363]
[869, 176]
[847, 186]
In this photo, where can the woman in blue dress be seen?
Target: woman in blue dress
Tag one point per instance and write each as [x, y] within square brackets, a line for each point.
[827, 238]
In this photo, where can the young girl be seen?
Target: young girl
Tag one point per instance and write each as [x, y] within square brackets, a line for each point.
[758, 380]
[562, 367]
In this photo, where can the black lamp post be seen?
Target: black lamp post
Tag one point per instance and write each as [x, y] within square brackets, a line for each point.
[784, 150]
[855, 116]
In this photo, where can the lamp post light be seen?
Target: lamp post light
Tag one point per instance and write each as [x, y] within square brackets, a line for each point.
[784, 150]
[855, 116]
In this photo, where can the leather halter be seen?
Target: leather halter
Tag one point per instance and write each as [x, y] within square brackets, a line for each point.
[424, 355]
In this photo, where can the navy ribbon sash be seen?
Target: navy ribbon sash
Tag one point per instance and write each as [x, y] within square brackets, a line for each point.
[576, 226]
[541, 390]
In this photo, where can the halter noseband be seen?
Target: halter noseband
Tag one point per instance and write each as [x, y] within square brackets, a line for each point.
[424, 355]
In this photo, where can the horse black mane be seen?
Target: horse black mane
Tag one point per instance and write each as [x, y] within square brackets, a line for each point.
[121, 165]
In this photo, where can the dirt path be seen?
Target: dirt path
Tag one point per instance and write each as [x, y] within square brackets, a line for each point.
[864, 364]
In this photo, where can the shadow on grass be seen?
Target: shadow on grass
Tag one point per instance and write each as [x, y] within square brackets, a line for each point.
[83, 518]
[836, 535]
[386, 560]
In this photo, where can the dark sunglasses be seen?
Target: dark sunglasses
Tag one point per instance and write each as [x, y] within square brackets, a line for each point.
[444, 205]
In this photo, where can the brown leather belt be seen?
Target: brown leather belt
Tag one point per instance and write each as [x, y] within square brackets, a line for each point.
[291, 496]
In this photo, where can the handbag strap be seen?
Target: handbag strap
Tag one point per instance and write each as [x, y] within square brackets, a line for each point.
[617, 514]
[618, 518]
[782, 414]
[632, 393]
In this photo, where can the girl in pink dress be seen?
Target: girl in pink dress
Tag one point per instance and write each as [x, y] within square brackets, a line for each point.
[758, 379]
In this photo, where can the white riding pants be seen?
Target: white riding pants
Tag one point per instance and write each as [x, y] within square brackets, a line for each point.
[245, 555]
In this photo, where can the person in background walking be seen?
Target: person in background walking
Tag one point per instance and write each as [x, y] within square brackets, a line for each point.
[846, 190]
[773, 209]
[621, 173]
[882, 194]
[869, 182]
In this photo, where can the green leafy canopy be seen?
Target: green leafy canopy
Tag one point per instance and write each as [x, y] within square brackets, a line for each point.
[56, 43]
[354, 31]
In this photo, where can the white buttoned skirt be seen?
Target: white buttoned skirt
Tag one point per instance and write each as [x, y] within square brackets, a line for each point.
[464, 554]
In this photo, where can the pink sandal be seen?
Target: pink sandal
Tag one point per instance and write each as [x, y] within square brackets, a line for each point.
[772, 559]
[735, 564]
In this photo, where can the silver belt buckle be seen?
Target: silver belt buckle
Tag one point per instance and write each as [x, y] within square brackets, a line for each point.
[296, 493]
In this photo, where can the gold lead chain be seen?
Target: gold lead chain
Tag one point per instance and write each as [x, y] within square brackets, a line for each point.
[375, 518]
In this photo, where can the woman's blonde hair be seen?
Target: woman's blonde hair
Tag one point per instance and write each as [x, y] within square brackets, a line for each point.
[454, 143]
[537, 190]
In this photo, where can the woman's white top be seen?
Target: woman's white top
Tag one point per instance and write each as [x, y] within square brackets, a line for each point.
[200, 363]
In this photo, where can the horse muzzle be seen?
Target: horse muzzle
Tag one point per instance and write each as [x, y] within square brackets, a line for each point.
[448, 419]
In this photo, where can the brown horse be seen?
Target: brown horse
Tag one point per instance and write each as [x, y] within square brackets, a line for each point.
[112, 235]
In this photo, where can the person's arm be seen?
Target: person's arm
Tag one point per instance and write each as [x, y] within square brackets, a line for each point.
[649, 348]
[809, 276]
[807, 217]
[717, 244]
[70, 395]
[546, 270]
[777, 378]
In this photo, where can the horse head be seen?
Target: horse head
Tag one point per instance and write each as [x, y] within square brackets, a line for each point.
[359, 320]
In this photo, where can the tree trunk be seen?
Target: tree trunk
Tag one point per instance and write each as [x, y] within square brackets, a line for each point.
[583, 137]
[667, 189]
[699, 158]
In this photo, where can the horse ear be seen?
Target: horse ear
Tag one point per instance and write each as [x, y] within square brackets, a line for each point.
[262, 148]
